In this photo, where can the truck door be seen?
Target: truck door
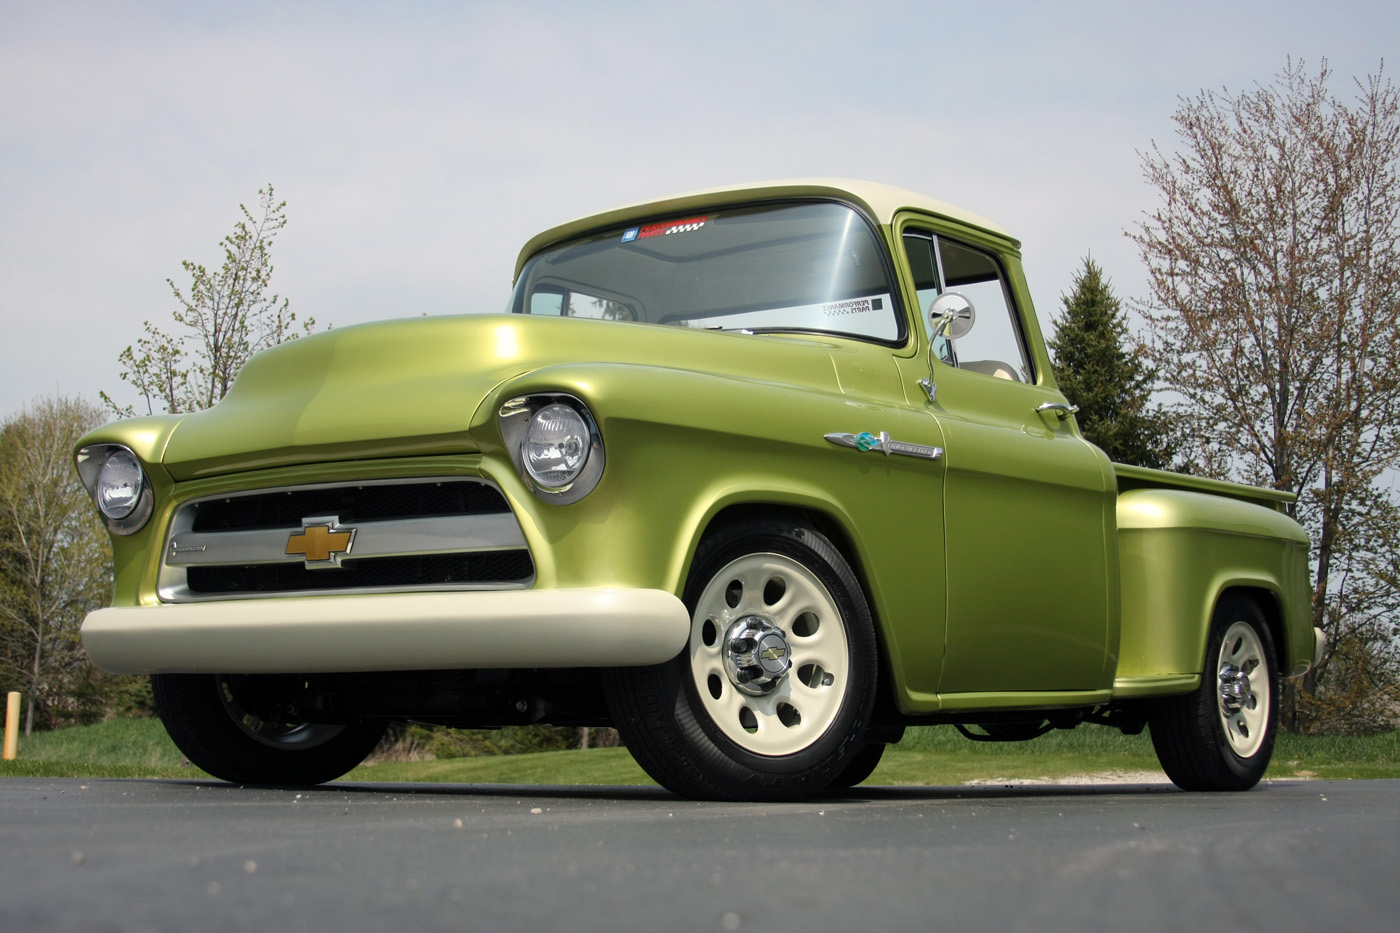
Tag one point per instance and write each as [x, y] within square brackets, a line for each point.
[1028, 504]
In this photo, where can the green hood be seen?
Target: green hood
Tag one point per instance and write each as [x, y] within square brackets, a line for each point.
[411, 387]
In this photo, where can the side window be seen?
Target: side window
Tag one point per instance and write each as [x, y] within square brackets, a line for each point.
[549, 302]
[581, 305]
[994, 346]
[557, 302]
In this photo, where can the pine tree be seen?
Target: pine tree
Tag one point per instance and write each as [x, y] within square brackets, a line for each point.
[1111, 385]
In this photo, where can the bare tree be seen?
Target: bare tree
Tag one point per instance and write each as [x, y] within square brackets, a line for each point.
[55, 562]
[1274, 269]
[224, 319]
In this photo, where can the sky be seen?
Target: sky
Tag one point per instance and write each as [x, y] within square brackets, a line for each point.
[419, 144]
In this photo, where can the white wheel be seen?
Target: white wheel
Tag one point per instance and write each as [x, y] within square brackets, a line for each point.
[1244, 689]
[772, 696]
[768, 653]
[1221, 735]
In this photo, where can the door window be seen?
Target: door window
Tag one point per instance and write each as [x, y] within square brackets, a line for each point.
[994, 347]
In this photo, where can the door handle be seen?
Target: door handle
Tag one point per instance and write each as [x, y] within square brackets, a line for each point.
[1061, 410]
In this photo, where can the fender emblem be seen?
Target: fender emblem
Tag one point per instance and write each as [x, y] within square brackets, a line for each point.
[885, 445]
[321, 541]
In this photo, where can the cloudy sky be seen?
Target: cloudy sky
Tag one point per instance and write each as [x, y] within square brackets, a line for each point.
[419, 144]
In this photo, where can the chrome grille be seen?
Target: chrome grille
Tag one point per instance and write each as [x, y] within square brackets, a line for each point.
[389, 536]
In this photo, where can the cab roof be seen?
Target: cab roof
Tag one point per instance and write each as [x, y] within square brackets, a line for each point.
[880, 201]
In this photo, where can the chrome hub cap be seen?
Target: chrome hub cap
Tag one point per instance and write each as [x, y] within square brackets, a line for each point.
[757, 655]
[1234, 689]
[1243, 704]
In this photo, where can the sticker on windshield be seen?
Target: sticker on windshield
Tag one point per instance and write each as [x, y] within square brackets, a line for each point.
[865, 316]
[687, 225]
[854, 306]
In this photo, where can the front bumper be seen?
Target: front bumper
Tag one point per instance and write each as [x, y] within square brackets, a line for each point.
[596, 627]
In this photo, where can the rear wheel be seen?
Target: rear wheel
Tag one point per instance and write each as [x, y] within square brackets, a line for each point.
[772, 695]
[232, 727]
[1221, 736]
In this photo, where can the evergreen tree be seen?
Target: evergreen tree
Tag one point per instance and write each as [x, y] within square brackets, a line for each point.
[1111, 385]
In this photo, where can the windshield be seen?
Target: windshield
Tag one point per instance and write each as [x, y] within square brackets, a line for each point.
[794, 267]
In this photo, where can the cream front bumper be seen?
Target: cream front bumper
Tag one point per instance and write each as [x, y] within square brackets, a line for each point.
[596, 627]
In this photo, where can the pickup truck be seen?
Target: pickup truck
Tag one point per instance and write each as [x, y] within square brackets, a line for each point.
[760, 476]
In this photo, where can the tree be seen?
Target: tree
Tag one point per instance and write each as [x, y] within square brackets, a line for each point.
[55, 563]
[224, 319]
[1112, 386]
[1274, 273]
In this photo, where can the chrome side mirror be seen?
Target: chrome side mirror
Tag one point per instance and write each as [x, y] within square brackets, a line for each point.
[951, 315]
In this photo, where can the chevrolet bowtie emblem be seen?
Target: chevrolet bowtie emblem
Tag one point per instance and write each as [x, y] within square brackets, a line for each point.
[321, 541]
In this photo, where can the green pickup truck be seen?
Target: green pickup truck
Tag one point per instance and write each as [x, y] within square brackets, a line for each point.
[760, 476]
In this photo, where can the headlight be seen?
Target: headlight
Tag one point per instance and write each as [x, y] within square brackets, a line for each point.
[554, 443]
[117, 484]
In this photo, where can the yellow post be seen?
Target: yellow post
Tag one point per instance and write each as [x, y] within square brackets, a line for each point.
[12, 727]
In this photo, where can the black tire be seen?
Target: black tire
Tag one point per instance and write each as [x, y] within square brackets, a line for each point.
[860, 767]
[1221, 736]
[688, 722]
[217, 732]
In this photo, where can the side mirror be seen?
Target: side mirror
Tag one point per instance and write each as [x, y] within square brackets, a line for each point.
[951, 315]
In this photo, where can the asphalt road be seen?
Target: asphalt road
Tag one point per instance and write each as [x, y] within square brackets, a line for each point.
[187, 855]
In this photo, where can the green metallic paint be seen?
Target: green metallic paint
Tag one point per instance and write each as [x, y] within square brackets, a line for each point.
[1180, 551]
[993, 573]
[732, 451]
[1136, 477]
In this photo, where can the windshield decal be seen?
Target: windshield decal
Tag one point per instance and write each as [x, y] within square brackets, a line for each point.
[854, 306]
[667, 228]
[827, 315]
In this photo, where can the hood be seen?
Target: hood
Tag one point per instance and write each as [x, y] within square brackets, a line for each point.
[411, 387]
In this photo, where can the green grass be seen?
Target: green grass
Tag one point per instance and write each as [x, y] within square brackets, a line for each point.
[587, 766]
[1336, 757]
[114, 749]
[938, 755]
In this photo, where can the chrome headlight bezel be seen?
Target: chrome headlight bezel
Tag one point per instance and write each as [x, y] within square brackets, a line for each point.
[92, 462]
[517, 415]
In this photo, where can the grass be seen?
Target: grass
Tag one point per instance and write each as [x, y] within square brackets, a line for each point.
[129, 748]
[587, 766]
[119, 748]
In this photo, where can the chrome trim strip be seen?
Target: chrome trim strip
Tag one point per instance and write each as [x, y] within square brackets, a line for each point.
[884, 444]
[440, 535]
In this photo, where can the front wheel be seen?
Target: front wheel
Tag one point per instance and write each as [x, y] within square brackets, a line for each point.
[233, 728]
[1221, 736]
[860, 767]
[771, 697]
